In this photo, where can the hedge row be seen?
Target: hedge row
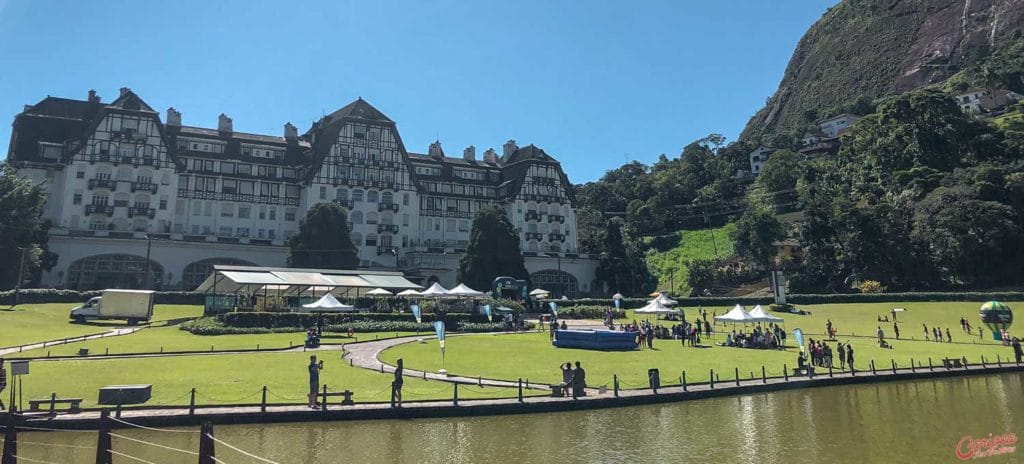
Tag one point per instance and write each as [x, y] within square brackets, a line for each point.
[632, 303]
[274, 320]
[214, 326]
[50, 295]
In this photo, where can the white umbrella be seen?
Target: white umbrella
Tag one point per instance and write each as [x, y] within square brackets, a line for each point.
[409, 292]
[435, 291]
[379, 292]
[463, 290]
[327, 303]
[617, 296]
[539, 292]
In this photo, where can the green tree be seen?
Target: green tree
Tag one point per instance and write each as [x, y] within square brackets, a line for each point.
[493, 250]
[22, 228]
[756, 232]
[324, 240]
[622, 268]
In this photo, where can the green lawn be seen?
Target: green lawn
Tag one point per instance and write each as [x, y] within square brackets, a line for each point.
[670, 266]
[38, 322]
[228, 379]
[536, 359]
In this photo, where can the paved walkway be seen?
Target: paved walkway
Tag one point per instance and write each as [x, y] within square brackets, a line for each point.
[110, 333]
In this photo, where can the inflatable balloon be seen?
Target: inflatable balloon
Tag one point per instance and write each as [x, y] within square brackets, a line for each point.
[997, 317]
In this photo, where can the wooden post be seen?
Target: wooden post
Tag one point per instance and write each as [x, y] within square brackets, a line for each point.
[764, 376]
[615, 384]
[930, 367]
[192, 403]
[323, 399]
[103, 454]
[520, 390]
[913, 368]
[10, 442]
[737, 376]
[785, 372]
[684, 380]
[263, 403]
[207, 448]
[712, 379]
[873, 372]
[455, 395]
[893, 361]
[999, 361]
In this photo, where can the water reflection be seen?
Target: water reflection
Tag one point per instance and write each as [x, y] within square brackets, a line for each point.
[894, 422]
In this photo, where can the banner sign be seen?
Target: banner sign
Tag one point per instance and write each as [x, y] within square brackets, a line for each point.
[487, 311]
[554, 308]
[799, 334]
[416, 313]
[617, 303]
[439, 328]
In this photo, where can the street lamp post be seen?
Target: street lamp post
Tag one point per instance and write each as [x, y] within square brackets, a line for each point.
[149, 246]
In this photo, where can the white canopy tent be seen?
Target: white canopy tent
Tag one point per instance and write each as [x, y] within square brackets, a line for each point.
[656, 307]
[540, 293]
[736, 314]
[379, 292]
[618, 296]
[758, 315]
[435, 291]
[409, 292]
[463, 290]
[665, 300]
[327, 303]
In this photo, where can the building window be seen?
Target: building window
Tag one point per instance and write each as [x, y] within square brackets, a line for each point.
[244, 212]
[273, 213]
[405, 219]
[242, 232]
[323, 193]
[371, 196]
[80, 174]
[289, 214]
[371, 239]
[227, 210]
[463, 226]
[405, 199]
[357, 196]
[77, 199]
[163, 202]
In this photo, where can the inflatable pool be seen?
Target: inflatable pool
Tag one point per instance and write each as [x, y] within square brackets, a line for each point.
[595, 339]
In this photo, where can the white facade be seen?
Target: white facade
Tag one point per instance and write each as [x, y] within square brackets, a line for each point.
[117, 175]
[758, 157]
[835, 125]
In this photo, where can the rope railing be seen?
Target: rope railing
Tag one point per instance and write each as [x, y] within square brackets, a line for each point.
[55, 445]
[151, 429]
[45, 429]
[241, 451]
[144, 442]
[231, 401]
[22, 458]
[128, 456]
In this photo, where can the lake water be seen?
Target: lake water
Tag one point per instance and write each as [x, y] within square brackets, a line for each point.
[920, 421]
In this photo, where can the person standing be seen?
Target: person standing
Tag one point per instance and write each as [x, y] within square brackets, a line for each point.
[396, 386]
[842, 356]
[579, 381]
[949, 338]
[849, 356]
[925, 332]
[881, 337]
[1017, 352]
[314, 379]
[896, 330]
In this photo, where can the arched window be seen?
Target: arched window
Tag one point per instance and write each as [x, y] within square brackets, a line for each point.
[120, 224]
[342, 195]
[371, 239]
[356, 217]
[387, 217]
[371, 196]
[357, 238]
[387, 197]
[357, 195]
[558, 282]
[195, 273]
[113, 271]
[103, 172]
[140, 225]
[141, 200]
[144, 175]
[371, 217]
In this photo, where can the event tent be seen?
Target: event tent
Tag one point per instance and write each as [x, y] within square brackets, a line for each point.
[758, 315]
[665, 300]
[540, 292]
[409, 292]
[327, 303]
[435, 291]
[656, 307]
[736, 314]
[379, 292]
[463, 290]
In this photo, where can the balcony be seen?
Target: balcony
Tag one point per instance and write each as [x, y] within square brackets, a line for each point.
[346, 203]
[393, 228]
[386, 206]
[556, 218]
[532, 215]
[99, 209]
[387, 250]
[556, 237]
[142, 211]
[102, 183]
[143, 186]
[534, 236]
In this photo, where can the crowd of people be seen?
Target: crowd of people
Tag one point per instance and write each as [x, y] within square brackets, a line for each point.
[772, 337]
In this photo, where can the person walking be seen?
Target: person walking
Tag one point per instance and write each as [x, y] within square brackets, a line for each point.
[396, 386]
[841, 350]
[314, 380]
[949, 338]
[896, 330]
[1017, 352]
[925, 332]
[849, 355]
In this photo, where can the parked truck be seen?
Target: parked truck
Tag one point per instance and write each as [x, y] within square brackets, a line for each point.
[131, 305]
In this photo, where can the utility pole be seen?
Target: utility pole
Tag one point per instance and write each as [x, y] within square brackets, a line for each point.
[149, 246]
[21, 270]
[707, 220]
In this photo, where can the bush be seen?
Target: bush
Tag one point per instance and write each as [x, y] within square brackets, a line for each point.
[52, 295]
[283, 319]
[871, 286]
[212, 326]
[215, 326]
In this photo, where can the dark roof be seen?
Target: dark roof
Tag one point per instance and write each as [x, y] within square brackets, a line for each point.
[52, 120]
[130, 101]
[57, 107]
[478, 163]
[358, 109]
[529, 152]
[202, 132]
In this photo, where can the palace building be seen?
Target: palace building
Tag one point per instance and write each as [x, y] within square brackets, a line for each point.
[124, 185]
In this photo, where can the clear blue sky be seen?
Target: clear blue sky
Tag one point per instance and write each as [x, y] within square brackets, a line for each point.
[592, 82]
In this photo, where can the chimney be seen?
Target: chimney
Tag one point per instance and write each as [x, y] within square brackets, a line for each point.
[125, 90]
[290, 132]
[173, 117]
[508, 148]
[469, 154]
[224, 125]
[435, 150]
[491, 156]
[93, 98]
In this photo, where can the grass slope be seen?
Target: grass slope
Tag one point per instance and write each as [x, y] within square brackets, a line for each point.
[670, 266]
[39, 322]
